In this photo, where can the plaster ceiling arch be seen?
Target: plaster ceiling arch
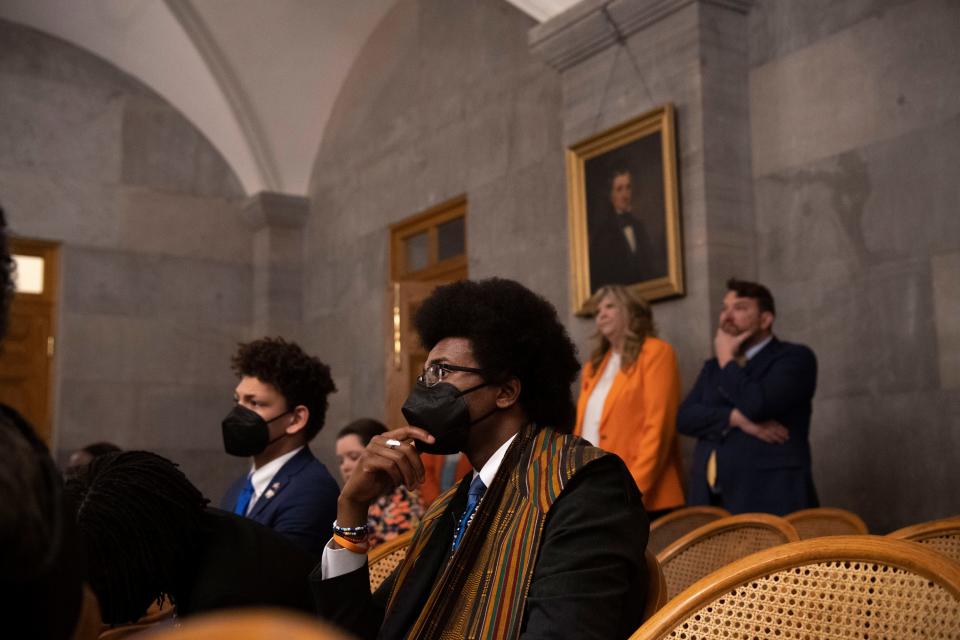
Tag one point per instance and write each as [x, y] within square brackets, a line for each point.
[257, 78]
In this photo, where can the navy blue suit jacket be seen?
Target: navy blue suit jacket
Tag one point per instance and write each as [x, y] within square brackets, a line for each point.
[302, 502]
[776, 384]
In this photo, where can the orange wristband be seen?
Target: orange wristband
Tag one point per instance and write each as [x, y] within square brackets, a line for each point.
[351, 546]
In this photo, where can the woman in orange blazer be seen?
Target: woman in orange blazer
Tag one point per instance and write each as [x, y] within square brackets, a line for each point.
[629, 394]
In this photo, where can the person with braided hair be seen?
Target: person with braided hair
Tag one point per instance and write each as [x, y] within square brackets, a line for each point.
[544, 538]
[149, 535]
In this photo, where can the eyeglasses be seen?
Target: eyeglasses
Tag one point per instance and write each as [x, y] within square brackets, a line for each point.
[436, 372]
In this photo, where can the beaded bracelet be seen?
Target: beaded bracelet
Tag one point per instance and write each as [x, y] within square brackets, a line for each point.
[360, 532]
[350, 546]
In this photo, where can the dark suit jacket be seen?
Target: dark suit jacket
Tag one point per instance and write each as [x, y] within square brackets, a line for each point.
[612, 261]
[589, 582]
[776, 384]
[241, 563]
[303, 504]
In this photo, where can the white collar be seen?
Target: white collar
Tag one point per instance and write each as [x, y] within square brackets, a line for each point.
[261, 477]
[490, 467]
[755, 349]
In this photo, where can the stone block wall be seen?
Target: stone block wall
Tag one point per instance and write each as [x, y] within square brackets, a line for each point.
[855, 126]
[445, 99]
[817, 148]
[156, 274]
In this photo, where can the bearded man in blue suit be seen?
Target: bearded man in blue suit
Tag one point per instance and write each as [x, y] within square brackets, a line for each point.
[750, 412]
[281, 405]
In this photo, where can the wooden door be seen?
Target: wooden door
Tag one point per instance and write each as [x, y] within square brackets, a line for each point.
[405, 354]
[26, 359]
[426, 250]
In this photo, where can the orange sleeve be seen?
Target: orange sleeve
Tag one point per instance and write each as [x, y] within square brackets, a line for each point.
[661, 399]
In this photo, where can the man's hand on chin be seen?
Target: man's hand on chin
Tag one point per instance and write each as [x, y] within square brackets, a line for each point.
[727, 345]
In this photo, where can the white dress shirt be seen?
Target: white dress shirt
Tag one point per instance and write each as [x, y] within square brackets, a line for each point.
[337, 562]
[260, 478]
[594, 410]
[755, 349]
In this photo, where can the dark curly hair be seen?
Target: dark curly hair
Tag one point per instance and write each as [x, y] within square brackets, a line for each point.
[140, 522]
[300, 378]
[7, 267]
[512, 332]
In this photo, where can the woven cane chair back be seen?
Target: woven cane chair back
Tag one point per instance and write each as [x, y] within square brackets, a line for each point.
[676, 524]
[249, 624]
[940, 535]
[825, 521]
[656, 586]
[833, 588]
[387, 557]
[704, 550]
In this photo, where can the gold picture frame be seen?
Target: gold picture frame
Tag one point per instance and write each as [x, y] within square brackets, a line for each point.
[609, 177]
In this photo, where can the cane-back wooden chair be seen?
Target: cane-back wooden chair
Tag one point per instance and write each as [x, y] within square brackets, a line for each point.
[704, 550]
[656, 586]
[832, 588]
[386, 557]
[940, 535]
[675, 524]
[826, 521]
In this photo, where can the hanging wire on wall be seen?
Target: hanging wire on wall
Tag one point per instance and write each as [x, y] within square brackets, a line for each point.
[622, 42]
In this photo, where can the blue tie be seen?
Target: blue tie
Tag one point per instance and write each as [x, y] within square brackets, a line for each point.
[473, 497]
[243, 500]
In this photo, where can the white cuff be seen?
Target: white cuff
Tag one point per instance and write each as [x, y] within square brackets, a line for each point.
[338, 562]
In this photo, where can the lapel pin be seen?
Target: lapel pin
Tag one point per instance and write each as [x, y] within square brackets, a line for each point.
[272, 491]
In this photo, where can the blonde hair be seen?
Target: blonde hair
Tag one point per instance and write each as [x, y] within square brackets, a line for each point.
[639, 317]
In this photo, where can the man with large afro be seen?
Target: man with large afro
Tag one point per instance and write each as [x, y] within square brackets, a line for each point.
[544, 538]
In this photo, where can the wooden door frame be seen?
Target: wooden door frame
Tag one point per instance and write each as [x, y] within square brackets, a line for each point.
[48, 299]
[436, 273]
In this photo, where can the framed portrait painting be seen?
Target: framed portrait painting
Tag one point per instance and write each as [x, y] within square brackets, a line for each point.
[624, 210]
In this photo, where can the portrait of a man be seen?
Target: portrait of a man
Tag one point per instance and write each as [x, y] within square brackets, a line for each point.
[627, 243]
[625, 226]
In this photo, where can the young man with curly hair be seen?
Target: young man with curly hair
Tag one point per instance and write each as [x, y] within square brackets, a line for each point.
[544, 538]
[281, 405]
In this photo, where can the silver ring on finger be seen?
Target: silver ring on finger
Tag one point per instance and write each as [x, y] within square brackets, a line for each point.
[393, 443]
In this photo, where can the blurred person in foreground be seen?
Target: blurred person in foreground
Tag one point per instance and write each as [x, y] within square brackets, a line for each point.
[148, 535]
[42, 577]
[544, 538]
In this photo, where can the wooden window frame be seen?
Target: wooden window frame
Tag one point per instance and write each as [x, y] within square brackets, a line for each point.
[46, 251]
[428, 221]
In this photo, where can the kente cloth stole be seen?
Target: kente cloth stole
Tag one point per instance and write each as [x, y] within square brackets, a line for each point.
[493, 597]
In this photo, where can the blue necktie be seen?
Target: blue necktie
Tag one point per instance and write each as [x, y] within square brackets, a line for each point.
[243, 500]
[473, 497]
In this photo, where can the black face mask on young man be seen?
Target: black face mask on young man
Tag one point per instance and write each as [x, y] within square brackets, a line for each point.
[442, 411]
[246, 433]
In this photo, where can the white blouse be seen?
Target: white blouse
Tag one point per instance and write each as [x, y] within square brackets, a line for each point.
[594, 410]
